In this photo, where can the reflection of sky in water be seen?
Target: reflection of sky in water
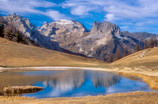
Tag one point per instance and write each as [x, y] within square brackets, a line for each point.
[84, 83]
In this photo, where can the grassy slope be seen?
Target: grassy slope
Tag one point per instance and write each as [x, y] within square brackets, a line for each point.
[147, 58]
[14, 54]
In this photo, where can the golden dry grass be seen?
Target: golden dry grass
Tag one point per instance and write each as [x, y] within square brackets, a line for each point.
[145, 59]
[15, 54]
[124, 98]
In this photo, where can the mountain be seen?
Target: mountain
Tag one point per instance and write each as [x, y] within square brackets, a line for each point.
[30, 31]
[147, 58]
[142, 36]
[15, 54]
[64, 31]
[105, 41]
[8, 31]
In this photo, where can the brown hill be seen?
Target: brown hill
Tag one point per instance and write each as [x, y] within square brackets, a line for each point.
[147, 58]
[15, 54]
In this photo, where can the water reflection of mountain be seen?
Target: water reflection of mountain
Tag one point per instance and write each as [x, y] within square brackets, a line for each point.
[105, 79]
[69, 80]
[71, 83]
[66, 80]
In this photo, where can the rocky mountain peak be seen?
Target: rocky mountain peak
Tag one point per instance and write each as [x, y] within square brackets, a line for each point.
[105, 42]
[105, 26]
[62, 27]
[63, 31]
[22, 24]
[104, 29]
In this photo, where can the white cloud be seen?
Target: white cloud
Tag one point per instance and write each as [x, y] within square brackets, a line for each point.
[109, 17]
[30, 6]
[118, 11]
[78, 7]
[56, 15]
[119, 8]
[80, 10]
[139, 13]
[24, 6]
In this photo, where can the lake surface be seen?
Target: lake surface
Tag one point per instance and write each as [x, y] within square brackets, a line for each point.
[74, 83]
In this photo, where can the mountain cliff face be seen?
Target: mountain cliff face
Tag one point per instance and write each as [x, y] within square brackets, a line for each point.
[142, 36]
[8, 31]
[64, 31]
[104, 42]
[24, 26]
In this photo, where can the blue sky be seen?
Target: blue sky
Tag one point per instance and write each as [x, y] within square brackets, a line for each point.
[130, 15]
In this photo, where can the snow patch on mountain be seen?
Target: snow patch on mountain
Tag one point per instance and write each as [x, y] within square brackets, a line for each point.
[64, 22]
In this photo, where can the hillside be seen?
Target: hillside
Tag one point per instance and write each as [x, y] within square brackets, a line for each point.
[147, 58]
[105, 41]
[15, 54]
